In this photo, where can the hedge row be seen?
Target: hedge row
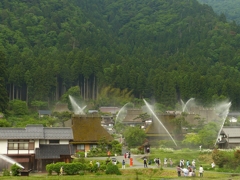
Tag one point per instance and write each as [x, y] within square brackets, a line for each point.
[79, 168]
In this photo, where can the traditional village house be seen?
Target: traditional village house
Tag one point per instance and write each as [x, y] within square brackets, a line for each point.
[87, 132]
[36, 146]
[42, 113]
[107, 122]
[133, 118]
[230, 137]
[109, 110]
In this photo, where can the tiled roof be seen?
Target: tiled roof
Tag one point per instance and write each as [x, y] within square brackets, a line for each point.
[231, 131]
[44, 112]
[234, 140]
[88, 129]
[36, 132]
[112, 110]
[58, 133]
[53, 151]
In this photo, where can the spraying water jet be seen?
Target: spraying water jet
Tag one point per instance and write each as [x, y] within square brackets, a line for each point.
[122, 112]
[76, 108]
[155, 116]
[10, 160]
[184, 106]
[222, 112]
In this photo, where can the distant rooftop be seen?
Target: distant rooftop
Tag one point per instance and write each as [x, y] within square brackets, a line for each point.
[44, 112]
[112, 110]
[36, 132]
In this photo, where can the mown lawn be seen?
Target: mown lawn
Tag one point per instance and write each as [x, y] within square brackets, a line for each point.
[129, 174]
[203, 159]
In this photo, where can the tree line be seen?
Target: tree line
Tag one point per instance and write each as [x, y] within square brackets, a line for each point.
[162, 49]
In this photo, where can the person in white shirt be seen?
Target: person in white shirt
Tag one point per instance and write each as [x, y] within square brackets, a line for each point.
[213, 165]
[201, 171]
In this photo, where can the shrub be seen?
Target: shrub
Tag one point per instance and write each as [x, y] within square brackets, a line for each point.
[112, 169]
[68, 168]
[219, 158]
[15, 170]
[54, 167]
[49, 168]
[103, 167]
[81, 173]
[6, 172]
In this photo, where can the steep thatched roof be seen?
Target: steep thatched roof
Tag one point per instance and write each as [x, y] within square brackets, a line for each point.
[88, 129]
[133, 116]
[156, 129]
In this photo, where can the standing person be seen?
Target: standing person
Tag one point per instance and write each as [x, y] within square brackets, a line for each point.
[165, 162]
[125, 155]
[178, 170]
[123, 164]
[148, 150]
[145, 162]
[170, 162]
[193, 165]
[158, 162]
[98, 164]
[187, 163]
[91, 164]
[108, 153]
[213, 165]
[129, 155]
[201, 171]
[61, 171]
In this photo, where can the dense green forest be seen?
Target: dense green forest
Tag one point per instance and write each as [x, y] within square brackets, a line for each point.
[162, 49]
[230, 8]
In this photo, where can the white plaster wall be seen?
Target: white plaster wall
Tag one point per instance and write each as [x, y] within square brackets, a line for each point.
[3, 146]
[43, 141]
[64, 142]
[36, 143]
[13, 152]
[23, 151]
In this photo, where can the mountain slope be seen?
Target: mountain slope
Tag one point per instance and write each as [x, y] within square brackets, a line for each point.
[231, 8]
[166, 49]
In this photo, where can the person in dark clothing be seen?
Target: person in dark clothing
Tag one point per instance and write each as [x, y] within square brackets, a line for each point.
[145, 162]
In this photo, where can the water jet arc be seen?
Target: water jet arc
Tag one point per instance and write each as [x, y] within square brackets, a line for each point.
[76, 108]
[224, 114]
[10, 160]
[122, 109]
[148, 106]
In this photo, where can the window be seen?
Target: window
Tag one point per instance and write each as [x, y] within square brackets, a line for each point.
[80, 147]
[54, 141]
[93, 146]
[23, 146]
[31, 146]
[12, 146]
[20, 145]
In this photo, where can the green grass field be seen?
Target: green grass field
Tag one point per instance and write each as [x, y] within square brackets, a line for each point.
[129, 174]
[147, 173]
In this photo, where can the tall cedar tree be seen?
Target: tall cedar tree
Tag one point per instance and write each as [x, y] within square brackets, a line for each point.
[3, 90]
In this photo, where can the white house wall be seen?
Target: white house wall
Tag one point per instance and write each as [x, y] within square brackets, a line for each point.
[64, 142]
[3, 146]
[36, 143]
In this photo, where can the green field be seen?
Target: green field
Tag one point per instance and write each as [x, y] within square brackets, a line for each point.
[131, 174]
[202, 158]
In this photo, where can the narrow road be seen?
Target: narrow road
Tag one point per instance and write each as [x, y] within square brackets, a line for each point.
[137, 161]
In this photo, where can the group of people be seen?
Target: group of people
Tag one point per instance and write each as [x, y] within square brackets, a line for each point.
[189, 169]
[127, 155]
[166, 161]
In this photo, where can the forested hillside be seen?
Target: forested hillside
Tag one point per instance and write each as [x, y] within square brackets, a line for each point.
[231, 8]
[166, 49]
